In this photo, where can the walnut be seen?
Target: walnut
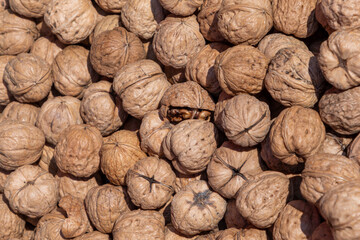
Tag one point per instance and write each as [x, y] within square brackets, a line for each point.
[335, 144]
[183, 180]
[142, 78]
[29, 8]
[229, 233]
[322, 232]
[49, 227]
[208, 20]
[20, 112]
[320, 17]
[119, 153]
[5, 96]
[251, 233]
[109, 22]
[58, 114]
[3, 176]
[219, 108]
[166, 211]
[47, 161]
[101, 109]
[261, 199]
[172, 50]
[245, 21]
[95, 235]
[232, 217]
[21, 143]
[139, 224]
[181, 7]
[197, 209]
[47, 48]
[72, 71]
[12, 225]
[111, 5]
[71, 21]
[172, 234]
[230, 167]
[4, 4]
[17, 34]
[31, 191]
[28, 78]
[325, 171]
[200, 68]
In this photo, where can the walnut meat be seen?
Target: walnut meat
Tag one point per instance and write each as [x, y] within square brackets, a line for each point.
[101, 109]
[31, 191]
[113, 6]
[142, 78]
[113, 49]
[29, 8]
[104, 204]
[5, 96]
[12, 225]
[261, 199]
[71, 21]
[139, 224]
[119, 153]
[47, 48]
[208, 20]
[245, 21]
[172, 50]
[17, 34]
[109, 22]
[28, 78]
[232, 217]
[325, 171]
[20, 112]
[181, 7]
[322, 232]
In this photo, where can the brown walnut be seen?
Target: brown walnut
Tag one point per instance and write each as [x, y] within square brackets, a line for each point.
[208, 20]
[5, 96]
[181, 7]
[29, 8]
[20, 112]
[113, 6]
[109, 22]
[12, 225]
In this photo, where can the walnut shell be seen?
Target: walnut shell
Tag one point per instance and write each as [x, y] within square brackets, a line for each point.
[29, 8]
[245, 120]
[208, 20]
[93, 236]
[230, 167]
[294, 77]
[113, 6]
[49, 227]
[196, 209]
[101, 109]
[5, 96]
[181, 7]
[322, 232]
[172, 50]
[200, 68]
[12, 225]
[142, 78]
[182, 180]
[335, 144]
[297, 220]
[232, 217]
[4, 4]
[109, 22]
[334, 206]
[139, 224]
[229, 233]
[3, 176]
[190, 144]
[58, 114]
[320, 17]
[104, 204]
[174, 75]
[119, 153]
[21, 143]
[245, 21]
[261, 199]
[31, 191]
[17, 34]
[72, 71]
[251, 233]
[150, 183]
[241, 69]
[47, 48]
[339, 109]
[20, 112]
[47, 161]
[325, 171]
[172, 234]
[28, 78]
[71, 21]
[219, 108]
[78, 150]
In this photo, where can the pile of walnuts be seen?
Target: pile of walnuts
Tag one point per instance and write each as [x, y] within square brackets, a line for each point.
[179, 119]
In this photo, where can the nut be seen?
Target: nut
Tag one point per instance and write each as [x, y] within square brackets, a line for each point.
[181, 7]
[5, 96]
[20, 112]
[29, 8]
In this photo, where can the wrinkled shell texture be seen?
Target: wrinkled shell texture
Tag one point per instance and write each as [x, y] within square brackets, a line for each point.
[150, 183]
[339, 57]
[119, 153]
[5, 96]
[245, 120]
[181, 7]
[93, 236]
[320, 17]
[139, 224]
[101, 109]
[172, 50]
[232, 217]
[72, 71]
[245, 21]
[296, 134]
[172, 234]
[113, 49]
[353, 150]
[208, 20]
[230, 167]
[47, 161]
[297, 220]
[17, 34]
[294, 77]
[71, 21]
[251, 233]
[29, 8]
[49, 227]
[142, 17]
[109, 22]
[31, 191]
[104, 204]
[143, 78]
[335, 144]
[28, 78]
[113, 6]
[20, 144]
[12, 225]
[20, 112]
[322, 232]
[325, 171]
[295, 17]
[78, 150]
[3, 176]
[261, 199]
[241, 69]
[47, 48]
[340, 110]
[4, 4]
[190, 144]
[58, 114]
[196, 209]
[183, 180]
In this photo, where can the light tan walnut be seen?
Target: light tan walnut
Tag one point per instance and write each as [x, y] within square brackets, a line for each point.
[208, 20]
[12, 225]
[29, 8]
[5, 96]
[113, 6]
[20, 112]
[181, 7]
[109, 22]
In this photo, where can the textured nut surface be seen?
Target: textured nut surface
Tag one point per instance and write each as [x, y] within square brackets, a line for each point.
[245, 21]
[49, 227]
[241, 69]
[29, 8]
[232, 217]
[251, 233]
[4, 4]
[172, 234]
[109, 22]
[47, 161]
[320, 17]
[47, 48]
[12, 225]
[182, 180]
[95, 235]
[20, 112]
[172, 50]
[28, 78]
[71, 21]
[113, 6]
[5, 96]
[196, 209]
[208, 20]
[335, 144]
[31, 191]
[3, 176]
[181, 7]
[322, 232]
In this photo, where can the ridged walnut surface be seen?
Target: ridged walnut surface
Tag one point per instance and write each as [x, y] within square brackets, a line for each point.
[208, 20]
[181, 7]
[12, 225]
[47, 48]
[29, 8]
[5, 96]
[20, 112]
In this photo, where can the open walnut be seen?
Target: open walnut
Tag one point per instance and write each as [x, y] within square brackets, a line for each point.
[186, 100]
[181, 7]
[12, 225]
[29, 8]
[20, 112]
[232, 217]
[5, 96]
[208, 20]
